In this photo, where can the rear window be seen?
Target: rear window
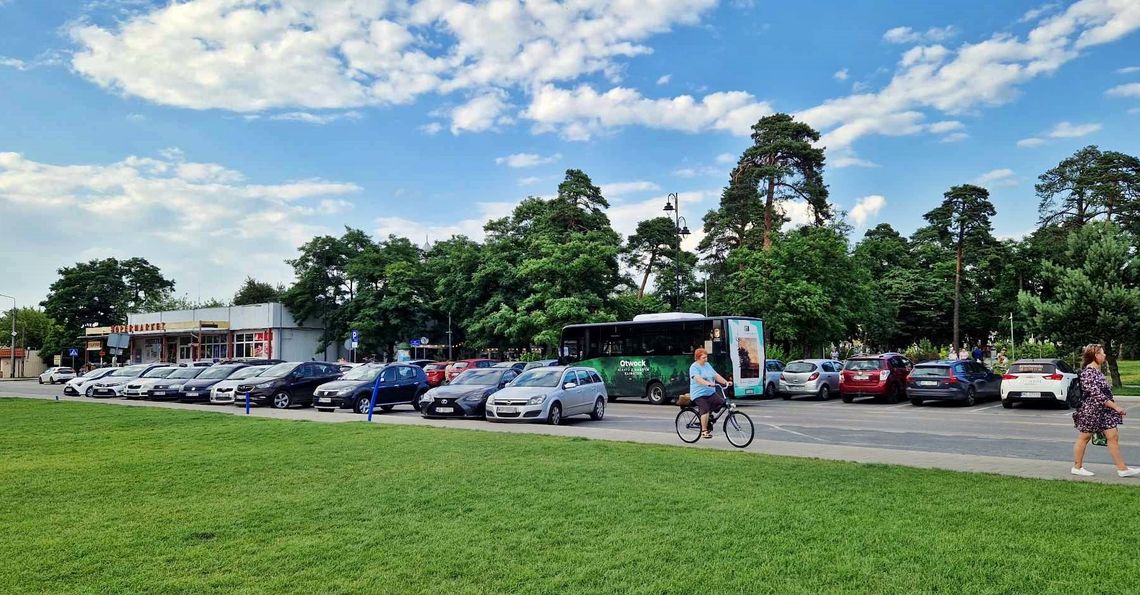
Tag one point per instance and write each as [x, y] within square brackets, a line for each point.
[459, 365]
[930, 371]
[863, 364]
[800, 367]
[1032, 369]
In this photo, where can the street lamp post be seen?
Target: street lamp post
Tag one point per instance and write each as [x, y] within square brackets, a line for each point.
[13, 369]
[673, 205]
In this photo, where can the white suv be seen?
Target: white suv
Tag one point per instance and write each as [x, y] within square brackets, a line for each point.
[54, 375]
[1041, 380]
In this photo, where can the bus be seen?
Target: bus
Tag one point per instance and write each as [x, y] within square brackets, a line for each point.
[649, 356]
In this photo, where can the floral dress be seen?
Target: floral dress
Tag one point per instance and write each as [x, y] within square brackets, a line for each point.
[1092, 415]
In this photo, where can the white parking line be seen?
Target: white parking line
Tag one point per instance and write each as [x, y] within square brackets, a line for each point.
[979, 409]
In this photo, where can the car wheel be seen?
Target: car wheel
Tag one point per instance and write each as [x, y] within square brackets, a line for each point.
[848, 398]
[893, 394]
[554, 418]
[916, 402]
[89, 392]
[361, 405]
[416, 401]
[971, 397]
[655, 392]
[282, 400]
[1006, 403]
[770, 391]
[382, 407]
[599, 409]
[825, 393]
[41, 380]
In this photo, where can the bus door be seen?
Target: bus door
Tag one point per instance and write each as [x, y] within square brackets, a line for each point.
[746, 350]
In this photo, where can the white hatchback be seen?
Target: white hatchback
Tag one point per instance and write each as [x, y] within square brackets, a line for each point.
[54, 375]
[1040, 380]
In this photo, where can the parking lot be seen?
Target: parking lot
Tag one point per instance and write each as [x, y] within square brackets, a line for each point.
[1029, 440]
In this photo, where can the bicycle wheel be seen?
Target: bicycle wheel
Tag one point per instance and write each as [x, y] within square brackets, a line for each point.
[738, 429]
[688, 426]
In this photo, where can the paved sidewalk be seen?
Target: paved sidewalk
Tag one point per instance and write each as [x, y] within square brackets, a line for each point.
[911, 458]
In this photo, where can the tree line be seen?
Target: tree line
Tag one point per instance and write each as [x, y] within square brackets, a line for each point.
[558, 261]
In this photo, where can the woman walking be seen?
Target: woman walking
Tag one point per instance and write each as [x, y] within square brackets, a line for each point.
[1098, 412]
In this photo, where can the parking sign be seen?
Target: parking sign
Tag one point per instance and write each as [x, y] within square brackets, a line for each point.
[355, 336]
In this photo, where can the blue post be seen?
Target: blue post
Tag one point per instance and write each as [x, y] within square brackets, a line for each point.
[247, 402]
[375, 391]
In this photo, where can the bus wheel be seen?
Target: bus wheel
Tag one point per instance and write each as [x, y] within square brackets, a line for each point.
[655, 392]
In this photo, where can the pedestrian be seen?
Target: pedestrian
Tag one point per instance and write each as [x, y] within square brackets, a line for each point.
[834, 354]
[1098, 412]
[977, 353]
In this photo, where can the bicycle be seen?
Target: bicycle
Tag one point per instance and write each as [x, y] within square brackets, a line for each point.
[737, 427]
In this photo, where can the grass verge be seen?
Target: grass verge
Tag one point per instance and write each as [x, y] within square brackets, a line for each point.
[112, 499]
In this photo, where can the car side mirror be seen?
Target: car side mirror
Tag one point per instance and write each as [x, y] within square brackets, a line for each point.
[569, 385]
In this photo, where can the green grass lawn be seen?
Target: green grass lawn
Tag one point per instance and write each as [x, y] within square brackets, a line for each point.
[1130, 376]
[99, 498]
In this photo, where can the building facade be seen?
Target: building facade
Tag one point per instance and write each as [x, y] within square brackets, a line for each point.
[184, 336]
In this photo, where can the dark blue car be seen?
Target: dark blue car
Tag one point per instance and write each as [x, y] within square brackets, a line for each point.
[400, 384]
[966, 382]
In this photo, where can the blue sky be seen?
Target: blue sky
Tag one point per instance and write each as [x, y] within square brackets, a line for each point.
[214, 136]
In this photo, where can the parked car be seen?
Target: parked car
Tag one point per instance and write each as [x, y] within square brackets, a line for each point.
[197, 390]
[57, 374]
[1042, 380]
[462, 365]
[550, 394]
[251, 361]
[202, 363]
[112, 384]
[810, 377]
[137, 388]
[436, 373]
[879, 376]
[290, 383]
[516, 366]
[400, 384]
[170, 388]
[82, 385]
[772, 370]
[542, 363]
[466, 396]
[952, 380]
[420, 362]
[222, 393]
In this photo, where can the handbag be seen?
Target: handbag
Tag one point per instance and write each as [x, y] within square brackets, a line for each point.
[1099, 439]
[684, 401]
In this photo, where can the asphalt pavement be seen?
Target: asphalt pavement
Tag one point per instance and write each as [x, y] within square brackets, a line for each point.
[1028, 440]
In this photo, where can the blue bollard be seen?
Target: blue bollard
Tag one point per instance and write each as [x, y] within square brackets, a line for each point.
[247, 403]
[372, 402]
[57, 397]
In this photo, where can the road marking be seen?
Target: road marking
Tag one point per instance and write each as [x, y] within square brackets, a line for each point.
[978, 409]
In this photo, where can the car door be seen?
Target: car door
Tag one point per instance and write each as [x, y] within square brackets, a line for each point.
[406, 383]
[827, 376]
[307, 385]
[389, 393]
[570, 397]
[585, 391]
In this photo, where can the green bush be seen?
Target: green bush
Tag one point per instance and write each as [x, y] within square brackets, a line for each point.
[923, 351]
[776, 351]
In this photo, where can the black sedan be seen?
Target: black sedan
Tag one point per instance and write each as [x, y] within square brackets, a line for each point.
[287, 384]
[466, 396]
[400, 384]
[198, 389]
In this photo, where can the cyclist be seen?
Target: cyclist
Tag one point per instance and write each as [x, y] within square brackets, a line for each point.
[702, 388]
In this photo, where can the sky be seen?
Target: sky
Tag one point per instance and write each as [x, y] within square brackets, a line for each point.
[213, 137]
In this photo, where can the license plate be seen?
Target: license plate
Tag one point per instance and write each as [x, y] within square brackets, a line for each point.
[191, 394]
[508, 409]
[928, 383]
[452, 409]
[324, 400]
[861, 377]
[160, 393]
[1031, 395]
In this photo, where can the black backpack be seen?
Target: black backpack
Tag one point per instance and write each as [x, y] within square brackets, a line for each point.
[1076, 396]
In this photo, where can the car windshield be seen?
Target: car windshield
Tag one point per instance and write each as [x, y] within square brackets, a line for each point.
[504, 365]
[191, 372]
[216, 372]
[131, 371]
[459, 365]
[863, 364]
[279, 370]
[362, 373]
[1032, 368]
[539, 364]
[478, 377]
[800, 367]
[930, 371]
[159, 373]
[249, 372]
[538, 377]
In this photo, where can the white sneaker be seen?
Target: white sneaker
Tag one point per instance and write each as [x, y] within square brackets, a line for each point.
[1129, 472]
[1083, 472]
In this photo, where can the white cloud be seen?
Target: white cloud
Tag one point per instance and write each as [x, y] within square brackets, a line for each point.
[133, 117]
[319, 119]
[908, 35]
[1070, 130]
[697, 171]
[1128, 70]
[727, 159]
[841, 75]
[13, 63]
[842, 159]
[1129, 90]
[798, 213]
[431, 128]
[199, 222]
[581, 113]
[997, 177]
[866, 209]
[1035, 13]
[481, 113]
[519, 160]
[945, 126]
[623, 188]
[529, 180]
[1029, 143]
[625, 217]
[664, 79]
[954, 137]
[418, 229]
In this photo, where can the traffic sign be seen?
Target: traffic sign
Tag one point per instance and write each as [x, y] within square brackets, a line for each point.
[355, 336]
[423, 341]
[72, 352]
[414, 342]
[354, 345]
[102, 353]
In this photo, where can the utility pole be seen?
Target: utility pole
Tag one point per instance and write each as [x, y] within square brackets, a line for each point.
[1012, 349]
[449, 336]
[13, 369]
[673, 205]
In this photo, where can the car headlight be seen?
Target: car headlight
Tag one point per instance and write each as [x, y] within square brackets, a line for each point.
[425, 398]
[265, 385]
[472, 398]
[175, 387]
[344, 391]
[537, 400]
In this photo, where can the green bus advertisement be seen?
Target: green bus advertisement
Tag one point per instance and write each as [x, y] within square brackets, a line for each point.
[649, 356]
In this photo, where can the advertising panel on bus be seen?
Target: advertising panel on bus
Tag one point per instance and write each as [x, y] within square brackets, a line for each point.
[746, 349]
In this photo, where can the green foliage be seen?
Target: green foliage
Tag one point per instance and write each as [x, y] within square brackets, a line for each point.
[253, 291]
[777, 351]
[103, 292]
[924, 351]
[32, 327]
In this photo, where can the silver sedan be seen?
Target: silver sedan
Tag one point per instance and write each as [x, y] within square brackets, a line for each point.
[810, 377]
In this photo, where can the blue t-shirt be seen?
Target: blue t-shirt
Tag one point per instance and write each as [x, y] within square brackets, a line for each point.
[707, 372]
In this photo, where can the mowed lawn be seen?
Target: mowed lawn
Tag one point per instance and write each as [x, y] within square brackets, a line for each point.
[99, 498]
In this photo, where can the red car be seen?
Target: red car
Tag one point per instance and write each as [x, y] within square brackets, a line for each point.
[436, 373]
[463, 365]
[879, 376]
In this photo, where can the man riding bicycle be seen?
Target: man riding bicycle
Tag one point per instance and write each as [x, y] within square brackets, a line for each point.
[703, 381]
